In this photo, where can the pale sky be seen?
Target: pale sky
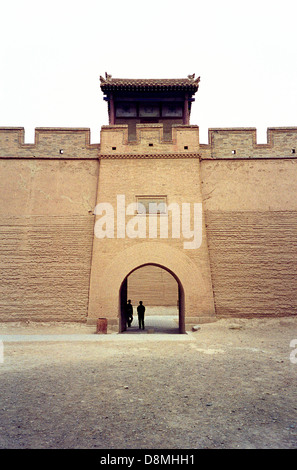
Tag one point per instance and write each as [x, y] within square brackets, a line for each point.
[52, 54]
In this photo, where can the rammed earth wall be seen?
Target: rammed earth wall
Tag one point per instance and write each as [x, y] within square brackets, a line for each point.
[49, 189]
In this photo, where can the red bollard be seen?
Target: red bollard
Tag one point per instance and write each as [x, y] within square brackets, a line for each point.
[101, 326]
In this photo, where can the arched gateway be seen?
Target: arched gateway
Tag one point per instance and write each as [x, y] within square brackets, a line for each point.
[107, 290]
[124, 296]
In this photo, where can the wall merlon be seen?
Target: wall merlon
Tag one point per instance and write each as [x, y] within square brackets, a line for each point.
[72, 143]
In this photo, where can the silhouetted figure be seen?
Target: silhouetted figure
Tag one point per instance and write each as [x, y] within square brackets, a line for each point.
[129, 313]
[140, 313]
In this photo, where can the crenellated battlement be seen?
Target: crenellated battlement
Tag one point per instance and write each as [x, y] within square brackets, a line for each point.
[149, 140]
[48, 143]
[74, 143]
[223, 143]
[242, 143]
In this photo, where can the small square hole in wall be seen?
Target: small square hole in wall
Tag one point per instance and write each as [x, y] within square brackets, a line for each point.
[114, 148]
[233, 152]
[186, 147]
[61, 151]
[151, 145]
[293, 151]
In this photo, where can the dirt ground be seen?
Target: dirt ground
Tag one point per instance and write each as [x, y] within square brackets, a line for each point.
[231, 384]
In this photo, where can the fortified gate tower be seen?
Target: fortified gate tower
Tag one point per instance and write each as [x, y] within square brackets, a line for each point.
[149, 175]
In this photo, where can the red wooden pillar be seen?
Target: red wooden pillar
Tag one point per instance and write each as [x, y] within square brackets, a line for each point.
[186, 119]
[111, 111]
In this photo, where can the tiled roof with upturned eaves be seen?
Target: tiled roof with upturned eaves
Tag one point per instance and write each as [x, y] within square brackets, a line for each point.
[133, 84]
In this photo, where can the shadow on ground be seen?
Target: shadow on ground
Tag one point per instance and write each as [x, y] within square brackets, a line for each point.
[165, 324]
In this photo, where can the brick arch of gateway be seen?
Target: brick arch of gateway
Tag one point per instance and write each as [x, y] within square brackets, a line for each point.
[194, 299]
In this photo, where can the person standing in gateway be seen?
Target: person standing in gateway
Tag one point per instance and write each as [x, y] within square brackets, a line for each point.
[140, 313]
[129, 313]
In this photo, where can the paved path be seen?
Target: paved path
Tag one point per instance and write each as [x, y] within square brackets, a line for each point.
[165, 324]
